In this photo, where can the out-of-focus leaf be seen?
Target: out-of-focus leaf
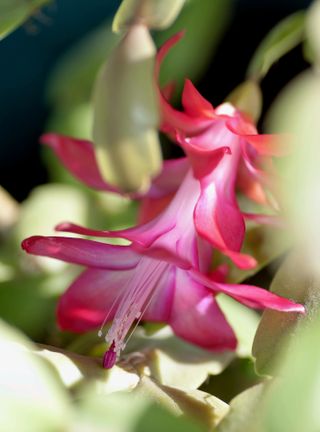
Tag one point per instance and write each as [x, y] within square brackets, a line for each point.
[126, 114]
[204, 22]
[244, 414]
[237, 377]
[152, 13]
[75, 370]
[292, 401]
[31, 399]
[247, 97]
[243, 320]
[28, 302]
[172, 361]
[127, 413]
[206, 409]
[14, 12]
[297, 112]
[282, 38]
[71, 83]
[9, 210]
[277, 329]
[72, 79]
[264, 243]
[313, 31]
[46, 206]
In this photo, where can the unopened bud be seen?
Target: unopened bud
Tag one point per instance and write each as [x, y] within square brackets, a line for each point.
[247, 97]
[154, 14]
[126, 114]
[313, 29]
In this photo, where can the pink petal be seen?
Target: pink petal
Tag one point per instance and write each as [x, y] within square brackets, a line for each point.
[249, 295]
[203, 160]
[91, 298]
[171, 118]
[78, 157]
[265, 144]
[219, 220]
[150, 208]
[194, 103]
[143, 235]
[164, 50]
[170, 178]
[197, 318]
[83, 252]
[249, 186]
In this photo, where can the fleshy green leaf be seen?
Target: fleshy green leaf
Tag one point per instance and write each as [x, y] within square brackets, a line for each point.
[276, 329]
[47, 206]
[28, 301]
[206, 409]
[128, 413]
[75, 370]
[244, 414]
[282, 38]
[170, 360]
[31, 399]
[243, 320]
[14, 12]
[292, 401]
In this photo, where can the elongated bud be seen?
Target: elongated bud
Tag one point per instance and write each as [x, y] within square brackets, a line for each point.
[126, 114]
[247, 97]
[313, 29]
[154, 14]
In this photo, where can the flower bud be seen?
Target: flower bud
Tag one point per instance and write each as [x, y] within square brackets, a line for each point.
[247, 97]
[154, 14]
[126, 114]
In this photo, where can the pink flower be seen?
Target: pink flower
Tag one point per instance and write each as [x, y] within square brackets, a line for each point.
[164, 274]
[161, 276]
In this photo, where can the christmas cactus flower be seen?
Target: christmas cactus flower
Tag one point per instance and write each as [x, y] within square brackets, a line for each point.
[164, 274]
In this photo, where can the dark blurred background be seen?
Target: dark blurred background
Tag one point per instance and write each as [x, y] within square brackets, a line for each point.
[29, 54]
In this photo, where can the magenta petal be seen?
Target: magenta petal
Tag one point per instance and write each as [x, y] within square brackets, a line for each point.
[218, 220]
[78, 157]
[143, 235]
[91, 298]
[194, 103]
[170, 178]
[250, 295]
[197, 318]
[83, 252]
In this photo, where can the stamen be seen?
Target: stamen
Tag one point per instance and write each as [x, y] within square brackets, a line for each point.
[136, 297]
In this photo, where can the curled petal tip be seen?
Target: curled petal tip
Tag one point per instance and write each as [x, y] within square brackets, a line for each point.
[62, 226]
[27, 243]
[110, 357]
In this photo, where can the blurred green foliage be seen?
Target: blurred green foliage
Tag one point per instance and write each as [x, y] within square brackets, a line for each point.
[13, 13]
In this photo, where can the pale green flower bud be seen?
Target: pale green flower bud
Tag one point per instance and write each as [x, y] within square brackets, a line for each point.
[154, 14]
[126, 114]
[247, 97]
[313, 29]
